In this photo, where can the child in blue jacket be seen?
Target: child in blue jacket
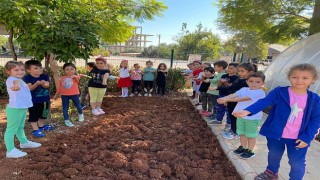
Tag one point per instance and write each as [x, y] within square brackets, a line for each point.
[293, 121]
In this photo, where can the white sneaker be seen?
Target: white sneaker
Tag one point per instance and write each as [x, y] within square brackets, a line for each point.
[131, 95]
[139, 94]
[30, 144]
[150, 94]
[15, 153]
[68, 123]
[101, 111]
[81, 118]
[146, 94]
[95, 112]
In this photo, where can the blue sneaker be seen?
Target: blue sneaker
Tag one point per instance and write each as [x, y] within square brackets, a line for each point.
[46, 128]
[38, 133]
[227, 135]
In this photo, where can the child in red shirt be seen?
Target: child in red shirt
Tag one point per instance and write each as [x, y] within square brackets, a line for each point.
[196, 83]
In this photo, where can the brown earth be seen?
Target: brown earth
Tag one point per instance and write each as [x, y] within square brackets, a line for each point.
[138, 138]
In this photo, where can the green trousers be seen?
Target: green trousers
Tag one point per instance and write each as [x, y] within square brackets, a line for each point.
[16, 118]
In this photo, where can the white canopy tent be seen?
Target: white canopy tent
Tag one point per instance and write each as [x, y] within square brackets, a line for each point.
[305, 51]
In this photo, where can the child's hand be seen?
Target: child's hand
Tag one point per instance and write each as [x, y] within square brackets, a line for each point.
[55, 97]
[222, 101]
[207, 80]
[39, 82]
[241, 113]
[301, 144]
[16, 85]
[212, 88]
[104, 83]
[74, 76]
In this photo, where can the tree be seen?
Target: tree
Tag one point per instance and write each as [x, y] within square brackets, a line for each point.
[278, 21]
[163, 52]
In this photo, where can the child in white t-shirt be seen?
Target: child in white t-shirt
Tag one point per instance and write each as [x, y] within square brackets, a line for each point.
[247, 127]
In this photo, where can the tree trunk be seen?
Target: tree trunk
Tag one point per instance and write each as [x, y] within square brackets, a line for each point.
[54, 69]
[46, 63]
[11, 46]
[315, 20]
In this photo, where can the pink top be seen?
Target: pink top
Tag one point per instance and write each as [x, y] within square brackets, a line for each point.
[298, 103]
[69, 86]
[136, 74]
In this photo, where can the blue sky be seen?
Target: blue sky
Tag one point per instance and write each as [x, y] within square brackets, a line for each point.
[191, 12]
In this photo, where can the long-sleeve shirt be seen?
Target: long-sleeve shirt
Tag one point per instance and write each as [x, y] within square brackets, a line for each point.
[236, 85]
[214, 83]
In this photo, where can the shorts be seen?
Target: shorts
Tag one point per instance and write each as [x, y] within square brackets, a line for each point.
[96, 94]
[38, 111]
[249, 128]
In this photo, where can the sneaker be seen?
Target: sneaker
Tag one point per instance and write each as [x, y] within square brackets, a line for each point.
[146, 94]
[38, 133]
[131, 95]
[95, 112]
[239, 151]
[101, 111]
[247, 154]
[139, 94]
[227, 127]
[207, 114]
[236, 136]
[30, 144]
[215, 122]
[267, 174]
[47, 127]
[15, 153]
[81, 118]
[150, 94]
[228, 135]
[68, 123]
[203, 112]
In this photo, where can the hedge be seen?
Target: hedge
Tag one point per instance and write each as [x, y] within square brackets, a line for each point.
[175, 81]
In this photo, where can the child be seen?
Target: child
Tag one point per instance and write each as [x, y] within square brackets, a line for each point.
[38, 84]
[69, 90]
[293, 121]
[225, 81]
[247, 126]
[98, 85]
[196, 83]
[206, 101]
[85, 89]
[136, 76]
[148, 78]
[161, 79]
[244, 69]
[213, 93]
[16, 110]
[124, 82]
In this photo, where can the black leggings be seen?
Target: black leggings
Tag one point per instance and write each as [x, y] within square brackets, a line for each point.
[148, 85]
[233, 119]
[136, 84]
[161, 85]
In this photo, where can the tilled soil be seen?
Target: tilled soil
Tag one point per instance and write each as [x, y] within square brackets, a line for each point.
[138, 138]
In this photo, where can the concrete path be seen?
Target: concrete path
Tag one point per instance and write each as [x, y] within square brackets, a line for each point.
[248, 169]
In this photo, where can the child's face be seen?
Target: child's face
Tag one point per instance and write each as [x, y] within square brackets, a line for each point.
[123, 64]
[207, 73]
[255, 83]
[162, 67]
[69, 70]
[89, 68]
[301, 79]
[197, 65]
[218, 68]
[232, 70]
[35, 70]
[149, 65]
[136, 67]
[100, 64]
[17, 71]
[243, 73]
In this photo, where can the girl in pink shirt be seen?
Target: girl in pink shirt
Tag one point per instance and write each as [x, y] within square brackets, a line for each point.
[136, 76]
[69, 90]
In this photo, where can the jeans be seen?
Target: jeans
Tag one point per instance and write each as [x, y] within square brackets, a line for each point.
[206, 102]
[65, 105]
[214, 106]
[233, 119]
[136, 84]
[297, 157]
[221, 111]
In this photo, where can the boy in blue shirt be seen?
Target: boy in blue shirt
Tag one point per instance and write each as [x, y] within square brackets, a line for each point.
[148, 78]
[38, 84]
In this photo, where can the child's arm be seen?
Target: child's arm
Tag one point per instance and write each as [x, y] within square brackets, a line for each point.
[76, 78]
[16, 84]
[105, 78]
[58, 90]
[111, 77]
[86, 76]
[34, 86]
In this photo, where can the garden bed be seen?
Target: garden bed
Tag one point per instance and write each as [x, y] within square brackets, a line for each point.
[138, 138]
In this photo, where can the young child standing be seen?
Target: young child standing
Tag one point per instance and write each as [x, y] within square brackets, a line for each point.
[98, 85]
[213, 93]
[244, 69]
[136, 76]
[69, 90]
[148, 78]
[38, 84]
[85, 89]
[161, 79]
[196, 83]
[247, 126]
[19, 101]
[293, 121]
[208, 74]
[125, 81]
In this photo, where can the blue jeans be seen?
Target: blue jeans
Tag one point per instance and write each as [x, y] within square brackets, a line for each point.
[297, 157]
[221, 111]
[215, 106]
[65, 105]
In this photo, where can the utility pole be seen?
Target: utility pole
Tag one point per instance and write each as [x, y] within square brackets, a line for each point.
[159, 36]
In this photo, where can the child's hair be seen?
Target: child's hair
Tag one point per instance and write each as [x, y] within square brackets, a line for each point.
[126, 61]
[136, 64]
[165, 66]
[91, 64]
[109, 66]
[197, 61]
[32, 62]
[149, 62]
[257, 75]
[234, 64]
[249, 67]
[104, 60]
[210, 69]
[304, 67]
[221, 63]
[69, 64]
[190, 64]
[12, 64]
[208, 64]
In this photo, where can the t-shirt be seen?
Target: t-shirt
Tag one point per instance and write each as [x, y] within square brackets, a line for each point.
[205, 85]
[254, 95]
[69, 86]
[39, 94]
[97, 77]
[161, 76]
[124, 73]
[196, 73]
[298, 104]
[136, 74]
[214, 83]
[21, 98]
[149, 76]
[230, 79]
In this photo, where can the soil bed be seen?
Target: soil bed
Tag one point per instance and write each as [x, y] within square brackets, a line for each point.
[138, 138]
